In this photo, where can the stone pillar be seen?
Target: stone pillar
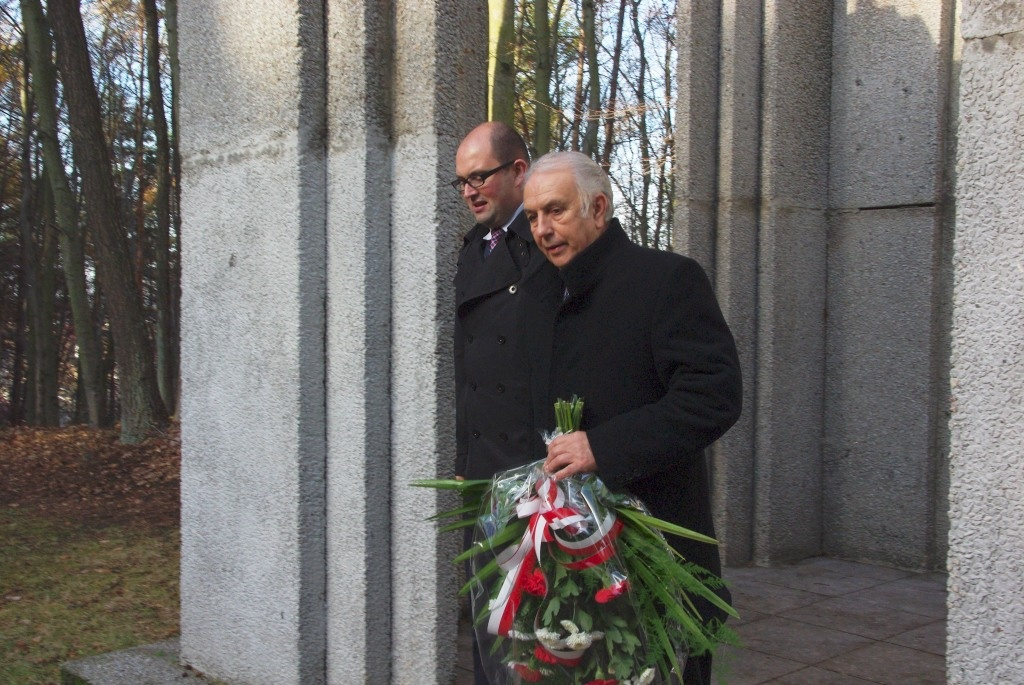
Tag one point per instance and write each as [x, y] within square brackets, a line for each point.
[986, 541]
[253, 418]
[752, 168]
[320, 244]
[736, 267]
[791, 279]
[360, 39]
[887, 346]
[439, 95]
[817, 197]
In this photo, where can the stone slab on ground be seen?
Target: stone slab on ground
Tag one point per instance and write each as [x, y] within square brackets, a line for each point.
[154, 664]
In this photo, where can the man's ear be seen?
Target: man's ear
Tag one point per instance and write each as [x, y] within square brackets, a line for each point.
[598, 206]
[520, 166]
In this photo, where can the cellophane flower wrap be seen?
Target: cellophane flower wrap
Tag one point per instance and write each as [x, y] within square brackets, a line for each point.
[572, 584]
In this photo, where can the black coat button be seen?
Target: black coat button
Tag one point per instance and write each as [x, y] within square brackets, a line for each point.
[469, 338]
[476, 434]
[503, 436]
[501, 388]
[501, 340]
[472, 386]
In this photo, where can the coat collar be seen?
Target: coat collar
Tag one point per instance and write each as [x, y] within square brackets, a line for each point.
[584, 271]
[519, 226]
[477, 277]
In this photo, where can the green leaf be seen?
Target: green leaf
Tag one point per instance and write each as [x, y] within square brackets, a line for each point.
[662, 525]
[513, 531]
[552, 611]
[451, 484]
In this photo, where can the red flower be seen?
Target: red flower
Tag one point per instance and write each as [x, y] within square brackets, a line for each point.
[527, 673]
[535, 583]
[607, 594]
[544, 655]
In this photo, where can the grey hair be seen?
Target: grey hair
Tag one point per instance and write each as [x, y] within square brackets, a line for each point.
[587, 175]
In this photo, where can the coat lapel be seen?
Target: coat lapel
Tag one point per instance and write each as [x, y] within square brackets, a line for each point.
[478, 277]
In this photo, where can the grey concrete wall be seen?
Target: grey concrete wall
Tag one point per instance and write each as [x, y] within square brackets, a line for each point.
[881, 464]
[321, 243]
[752, 164]
[736, 266]
[253, 420]
[986, 542]
[791, 285]
[887, 378]
[359, 604]
[812, 182]
[440, 72]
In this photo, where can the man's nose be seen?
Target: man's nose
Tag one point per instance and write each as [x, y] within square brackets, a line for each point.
[541, 225]
[468, 190]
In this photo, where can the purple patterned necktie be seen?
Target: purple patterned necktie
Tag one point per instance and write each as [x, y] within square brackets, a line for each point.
[496, 236]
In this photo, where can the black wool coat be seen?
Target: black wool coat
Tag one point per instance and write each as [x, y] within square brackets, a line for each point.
[642, 340]
[494, 414]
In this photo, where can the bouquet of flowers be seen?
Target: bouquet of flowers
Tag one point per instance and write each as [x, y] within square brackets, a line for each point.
[572, 584]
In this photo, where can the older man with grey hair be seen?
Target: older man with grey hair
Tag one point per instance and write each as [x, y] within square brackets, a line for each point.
[639, 335]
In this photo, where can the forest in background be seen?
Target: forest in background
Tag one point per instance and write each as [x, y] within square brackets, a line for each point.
[90, 229]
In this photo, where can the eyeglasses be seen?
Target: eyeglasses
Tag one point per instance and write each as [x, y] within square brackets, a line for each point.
[478, 179]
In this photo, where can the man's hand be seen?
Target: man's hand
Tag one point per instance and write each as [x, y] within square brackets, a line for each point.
[570, 455]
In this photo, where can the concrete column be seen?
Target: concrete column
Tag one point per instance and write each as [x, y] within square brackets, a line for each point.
[887, 348]
[438, 95]
[752, 170]
[321, 236]
[360, 39]
[253, 412]
[736, 268]
[696, 135]
[986, 540]
[791, 279]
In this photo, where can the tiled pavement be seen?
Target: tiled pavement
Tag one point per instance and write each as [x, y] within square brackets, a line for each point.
[826, 622]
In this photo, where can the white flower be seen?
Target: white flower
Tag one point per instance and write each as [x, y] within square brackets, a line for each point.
[570, 626]
[578, 641]
[550, 639]
[519, 635]
[646, 678]
[597, 635]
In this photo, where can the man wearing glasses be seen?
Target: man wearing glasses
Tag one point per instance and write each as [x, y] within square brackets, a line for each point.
[494, 420]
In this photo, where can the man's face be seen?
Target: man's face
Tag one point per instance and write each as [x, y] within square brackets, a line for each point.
[493, 203]
[552, 205]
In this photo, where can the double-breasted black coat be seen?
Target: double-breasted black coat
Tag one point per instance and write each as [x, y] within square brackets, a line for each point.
[494, 415]
[640, 337]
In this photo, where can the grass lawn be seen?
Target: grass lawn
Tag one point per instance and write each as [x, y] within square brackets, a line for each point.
[74, 583]
[68, 591]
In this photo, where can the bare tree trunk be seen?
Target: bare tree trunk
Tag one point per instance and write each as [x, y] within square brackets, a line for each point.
[37, 262]
[44, 80]
[171, 21]
[47, 404]
[578, 116]
[166, 373]
[542, 78]
[613, 86]
[594, 82]
[645, 139]
[665, 189]
[502, 67]
[141, 408]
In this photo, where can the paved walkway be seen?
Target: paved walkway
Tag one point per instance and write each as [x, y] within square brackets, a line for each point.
[826, 622]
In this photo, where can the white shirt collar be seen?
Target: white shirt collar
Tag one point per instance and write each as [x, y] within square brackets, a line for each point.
[504, 229]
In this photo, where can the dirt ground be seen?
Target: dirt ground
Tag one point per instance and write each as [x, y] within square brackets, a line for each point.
[87, 476]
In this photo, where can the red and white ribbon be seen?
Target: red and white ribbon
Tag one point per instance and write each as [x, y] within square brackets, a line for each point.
[549, 516]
